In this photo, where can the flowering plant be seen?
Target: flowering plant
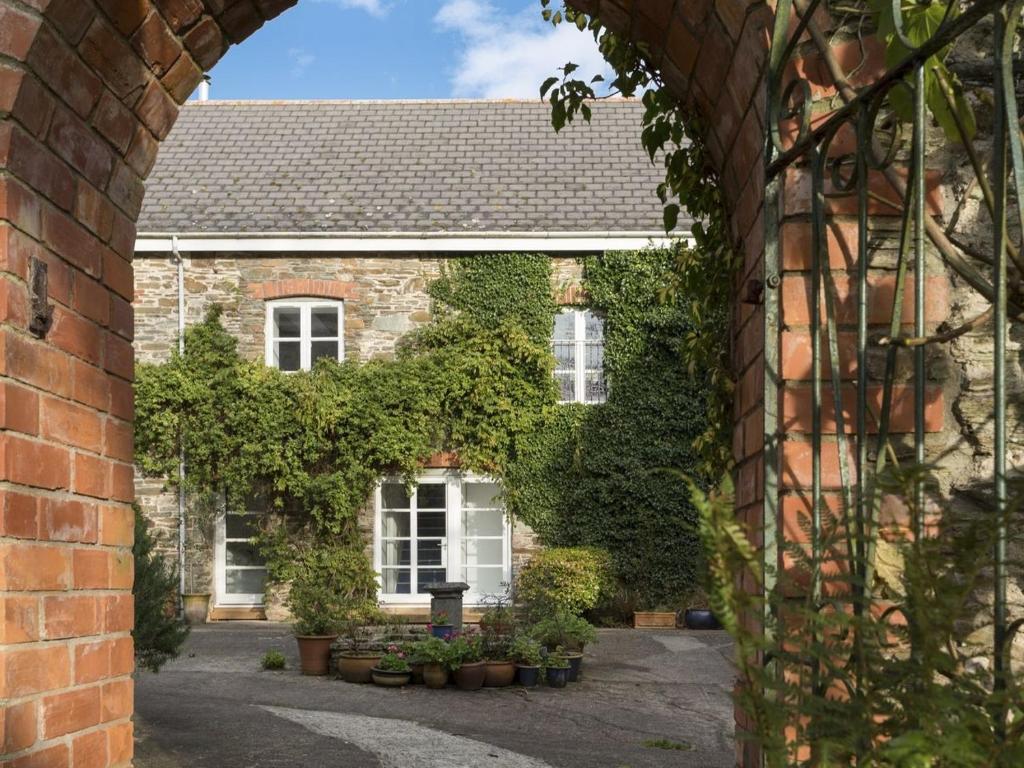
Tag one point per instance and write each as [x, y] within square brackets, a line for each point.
[395, 660]
[466, 649]
[441, 619]
[432, 650]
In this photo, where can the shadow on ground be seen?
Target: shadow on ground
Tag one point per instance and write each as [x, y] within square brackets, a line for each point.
[215, 707]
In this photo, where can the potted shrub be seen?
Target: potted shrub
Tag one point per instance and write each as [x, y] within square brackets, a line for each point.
[330, 580]
[468, 666]
[529, 659]
[570, 634]
[497, 626]
[315, 607]
[435, 655]
[440, 625]
[393, 670]
[698, 614]
[557, 668]
[356, 663]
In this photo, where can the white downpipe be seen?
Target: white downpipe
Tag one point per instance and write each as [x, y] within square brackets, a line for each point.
[181, 456]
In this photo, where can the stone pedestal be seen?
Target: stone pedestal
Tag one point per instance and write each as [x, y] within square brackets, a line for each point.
[447, 597]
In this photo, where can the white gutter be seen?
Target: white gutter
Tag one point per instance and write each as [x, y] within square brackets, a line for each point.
[407, 242]
[181, 454]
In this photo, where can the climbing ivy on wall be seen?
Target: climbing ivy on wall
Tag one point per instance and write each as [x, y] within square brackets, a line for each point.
[593, 475]
[478, 381]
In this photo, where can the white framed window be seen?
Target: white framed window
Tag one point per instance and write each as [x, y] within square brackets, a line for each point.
[451, 527]
[578, 346]
[240, 570]
[301, 331]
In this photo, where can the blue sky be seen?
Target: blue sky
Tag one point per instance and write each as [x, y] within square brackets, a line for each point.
[391, 49]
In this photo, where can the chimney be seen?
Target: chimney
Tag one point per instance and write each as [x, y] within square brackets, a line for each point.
[204, 89]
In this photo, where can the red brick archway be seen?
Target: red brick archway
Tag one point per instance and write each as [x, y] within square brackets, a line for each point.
[88, 89]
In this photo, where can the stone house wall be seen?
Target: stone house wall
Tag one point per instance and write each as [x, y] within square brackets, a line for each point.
[385, 297]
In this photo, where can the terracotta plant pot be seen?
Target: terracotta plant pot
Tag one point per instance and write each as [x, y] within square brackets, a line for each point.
[389, 678]
[197, 608]
[575, 663]
[357, 667]
[654, 620]
[435, 675]
[470, 677]
[528, 676]
[315, 653]
[499, 674]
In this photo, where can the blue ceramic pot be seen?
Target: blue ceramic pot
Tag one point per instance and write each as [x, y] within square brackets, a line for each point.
[700, 618]
[575, 662]
[443, 631]
[557, 678]
[528, 676]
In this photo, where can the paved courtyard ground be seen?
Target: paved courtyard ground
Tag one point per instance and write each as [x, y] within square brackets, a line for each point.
[215, 707]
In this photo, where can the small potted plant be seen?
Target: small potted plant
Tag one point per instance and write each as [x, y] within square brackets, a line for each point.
[357, 661]
[393, 670]
[698, 614]
[557, 666]
[435, 655]
[315, 608]
[570, 633]
[497, 625]
[529, 659]
[440, 625]
[468, 666]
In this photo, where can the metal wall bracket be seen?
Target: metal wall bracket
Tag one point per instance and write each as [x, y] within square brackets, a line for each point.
[42, 312]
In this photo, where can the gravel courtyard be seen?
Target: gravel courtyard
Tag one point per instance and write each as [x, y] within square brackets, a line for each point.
[215, 707]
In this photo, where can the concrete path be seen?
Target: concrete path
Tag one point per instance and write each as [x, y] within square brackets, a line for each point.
[215, 708]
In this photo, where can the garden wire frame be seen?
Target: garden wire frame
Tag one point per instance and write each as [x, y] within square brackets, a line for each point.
[789, 97]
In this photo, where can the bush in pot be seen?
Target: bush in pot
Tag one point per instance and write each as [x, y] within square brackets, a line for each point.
[393, 669]
[529, 658]
[468, 666]
[570, 634]
[330, 579]
[558, 668]
[497, 627]
[356, 662]
[436, 657]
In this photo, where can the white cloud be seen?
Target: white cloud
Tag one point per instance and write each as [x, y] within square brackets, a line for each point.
[509, 57]
[372, 7]
[301, 61]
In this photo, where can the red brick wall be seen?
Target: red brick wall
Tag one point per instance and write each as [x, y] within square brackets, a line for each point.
[87, 91]
[88, 88]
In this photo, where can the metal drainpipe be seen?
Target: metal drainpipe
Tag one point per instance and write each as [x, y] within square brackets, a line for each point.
[181, 456]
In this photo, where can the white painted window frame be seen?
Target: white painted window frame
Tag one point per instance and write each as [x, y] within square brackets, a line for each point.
[221, 598]
[305, 339]
[452, 548]
[580, 342]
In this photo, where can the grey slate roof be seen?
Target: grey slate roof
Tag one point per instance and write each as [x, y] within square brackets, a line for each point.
[401, 166]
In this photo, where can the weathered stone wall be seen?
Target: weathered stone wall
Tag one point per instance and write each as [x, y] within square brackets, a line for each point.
[385, 297]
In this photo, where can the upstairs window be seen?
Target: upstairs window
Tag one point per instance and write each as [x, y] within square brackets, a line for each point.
[301, 331]
[578, 347]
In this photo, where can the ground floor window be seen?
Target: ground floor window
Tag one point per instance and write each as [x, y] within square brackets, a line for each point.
[241, 572]
[449, 527]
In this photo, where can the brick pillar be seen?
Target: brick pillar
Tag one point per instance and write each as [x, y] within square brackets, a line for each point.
[88, 88]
